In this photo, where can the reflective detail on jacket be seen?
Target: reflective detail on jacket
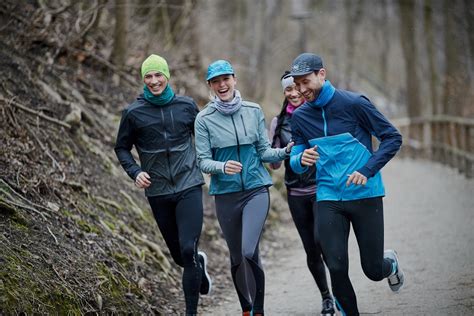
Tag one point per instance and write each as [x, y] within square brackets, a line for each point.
[241, 137]
[162, 136]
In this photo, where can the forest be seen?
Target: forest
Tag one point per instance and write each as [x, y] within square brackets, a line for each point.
[76, 236]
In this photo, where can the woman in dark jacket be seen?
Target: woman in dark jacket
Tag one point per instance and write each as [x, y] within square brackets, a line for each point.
[301, 192]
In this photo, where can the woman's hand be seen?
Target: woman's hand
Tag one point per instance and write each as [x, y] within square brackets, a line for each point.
[232, 167]
[143, 180]
[289, 146]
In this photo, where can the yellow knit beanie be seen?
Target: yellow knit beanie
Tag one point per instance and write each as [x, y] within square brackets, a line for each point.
[155, 63]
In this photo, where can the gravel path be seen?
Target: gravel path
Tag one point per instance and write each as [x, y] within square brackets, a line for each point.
[429, 220]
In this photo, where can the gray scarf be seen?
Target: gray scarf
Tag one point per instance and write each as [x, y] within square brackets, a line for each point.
[229, 107]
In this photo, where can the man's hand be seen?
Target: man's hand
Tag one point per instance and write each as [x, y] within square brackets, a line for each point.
[232, 167]
[357, 178]
[143, 180]
[309, 157]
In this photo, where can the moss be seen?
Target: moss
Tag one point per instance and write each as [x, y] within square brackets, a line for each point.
[67, 213]
[121, 258]
[110, 225]
[87, 227]
[21, 293]
[117, 286]
[68, 153]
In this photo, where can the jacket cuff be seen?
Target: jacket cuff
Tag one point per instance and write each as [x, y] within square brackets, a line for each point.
[295, 163]
[366, 172]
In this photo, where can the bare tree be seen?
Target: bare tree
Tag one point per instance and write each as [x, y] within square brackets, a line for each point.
[430, 49]
[407, 39]
[457, 81]
[119, 51]
[354, 10]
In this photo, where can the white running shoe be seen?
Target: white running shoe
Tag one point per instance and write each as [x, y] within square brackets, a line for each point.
[206, 281]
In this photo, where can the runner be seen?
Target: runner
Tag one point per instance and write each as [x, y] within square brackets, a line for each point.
[335, 127]
[301, 192]
[160, 125]
[232, 145]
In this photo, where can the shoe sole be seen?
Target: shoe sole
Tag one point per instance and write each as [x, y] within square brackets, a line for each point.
[204, 256]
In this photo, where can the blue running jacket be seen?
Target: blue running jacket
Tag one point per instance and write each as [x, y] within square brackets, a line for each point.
[341, 124]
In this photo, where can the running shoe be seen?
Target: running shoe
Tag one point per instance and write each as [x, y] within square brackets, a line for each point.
[328, 307]
[396, 278]
[206, 282]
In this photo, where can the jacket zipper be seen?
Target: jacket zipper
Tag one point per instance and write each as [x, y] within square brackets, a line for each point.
[325, 123]
[238, 151]
[172, 119]
[167, 148]
[243, 124]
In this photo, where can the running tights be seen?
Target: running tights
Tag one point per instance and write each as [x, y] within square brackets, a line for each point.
[303, 210]
[334, 219]
[242, 216]
[179, 218]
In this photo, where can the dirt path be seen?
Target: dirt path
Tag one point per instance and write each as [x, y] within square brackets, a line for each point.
[429, 220]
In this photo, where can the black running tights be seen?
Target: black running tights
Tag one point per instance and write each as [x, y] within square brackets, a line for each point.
[303, 210]
[179, 218]
[334, 219]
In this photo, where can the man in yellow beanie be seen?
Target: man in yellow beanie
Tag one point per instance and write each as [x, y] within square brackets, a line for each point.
[160, 125]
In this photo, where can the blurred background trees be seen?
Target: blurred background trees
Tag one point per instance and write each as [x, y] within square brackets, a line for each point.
[410, 57]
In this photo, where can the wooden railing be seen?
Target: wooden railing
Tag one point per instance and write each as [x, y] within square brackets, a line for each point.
[446, 139]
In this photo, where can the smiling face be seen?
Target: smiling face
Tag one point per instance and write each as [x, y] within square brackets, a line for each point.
[310, 85]
[223, 87]
[293, 96]
[156, 82]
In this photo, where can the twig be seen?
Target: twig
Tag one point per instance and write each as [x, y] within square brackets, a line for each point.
[92, 21]
[24, 206]
[55, 239]
[21, 197]
[39, 114]
[47, 152]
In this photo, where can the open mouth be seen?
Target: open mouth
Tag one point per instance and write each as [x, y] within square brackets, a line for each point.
[223, 91]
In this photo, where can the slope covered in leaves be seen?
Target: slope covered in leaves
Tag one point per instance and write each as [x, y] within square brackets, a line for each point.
[75, 235]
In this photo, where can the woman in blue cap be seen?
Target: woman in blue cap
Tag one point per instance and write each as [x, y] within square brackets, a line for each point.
[232, 145]
[160, 125]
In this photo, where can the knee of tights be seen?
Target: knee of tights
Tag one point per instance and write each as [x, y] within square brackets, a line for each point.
[250, 255]
[338, 270]
[373, 273]
[189, 255]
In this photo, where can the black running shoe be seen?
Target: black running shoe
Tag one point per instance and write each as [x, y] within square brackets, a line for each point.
[206, 282]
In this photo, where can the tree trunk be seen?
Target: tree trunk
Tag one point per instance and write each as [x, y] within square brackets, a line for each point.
[431, 107]
[119, 51]
[456, 87]
[353, 18]
[407, 38]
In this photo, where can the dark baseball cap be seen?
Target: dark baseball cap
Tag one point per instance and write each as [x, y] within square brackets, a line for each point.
[305, 64]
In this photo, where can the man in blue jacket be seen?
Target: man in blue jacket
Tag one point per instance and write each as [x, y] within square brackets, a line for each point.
[334, 129]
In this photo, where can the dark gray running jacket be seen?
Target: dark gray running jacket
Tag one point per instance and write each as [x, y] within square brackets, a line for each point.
[163, 137]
